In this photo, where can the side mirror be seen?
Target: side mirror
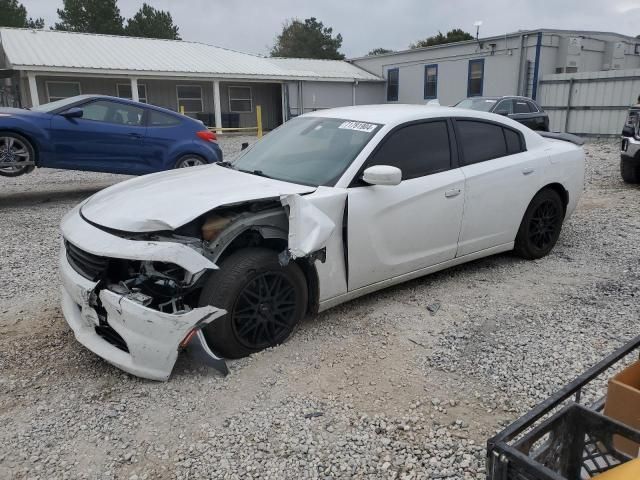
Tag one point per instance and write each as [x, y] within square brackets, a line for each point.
[244, 146]
[73, 112]
[503, 112]
[382, 175]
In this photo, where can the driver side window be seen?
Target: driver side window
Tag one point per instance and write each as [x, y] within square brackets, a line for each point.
[418, 150]
[112, 112]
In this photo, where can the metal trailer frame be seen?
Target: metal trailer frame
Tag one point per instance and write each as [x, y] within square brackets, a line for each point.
[506, 457]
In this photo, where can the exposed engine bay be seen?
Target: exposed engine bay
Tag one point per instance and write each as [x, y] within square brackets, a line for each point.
[169, 288]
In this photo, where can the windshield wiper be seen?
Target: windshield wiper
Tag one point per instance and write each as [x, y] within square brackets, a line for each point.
[259, 173]
[225, 164]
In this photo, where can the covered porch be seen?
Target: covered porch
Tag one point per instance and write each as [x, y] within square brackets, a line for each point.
[220, 103]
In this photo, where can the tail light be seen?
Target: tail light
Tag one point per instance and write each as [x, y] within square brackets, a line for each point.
[207, 136]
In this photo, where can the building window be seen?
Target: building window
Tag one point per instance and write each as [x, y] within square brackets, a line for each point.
[393, 84]
[124, 91]
[62, 90]
[189, 98]
[475, 78]
[430, 81]
[240, 100]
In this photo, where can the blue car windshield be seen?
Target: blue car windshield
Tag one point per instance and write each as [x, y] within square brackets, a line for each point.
[307, 150]
[58, 104]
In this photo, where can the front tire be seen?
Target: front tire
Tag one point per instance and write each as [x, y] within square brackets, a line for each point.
[630, 170]
[190, 161]
[15, 148]
[540, 226]
[264, 302]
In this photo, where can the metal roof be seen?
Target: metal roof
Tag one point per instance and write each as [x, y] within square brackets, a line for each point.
[322, 68]
[499, 37]
[54, 51]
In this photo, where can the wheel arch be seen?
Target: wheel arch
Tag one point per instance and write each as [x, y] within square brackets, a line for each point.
[278, 245]
[560, 190]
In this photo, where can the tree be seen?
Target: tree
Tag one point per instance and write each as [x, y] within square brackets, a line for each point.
[152, 23]
[13, 14]
[379, 51]
[455, 35]
[91, 16]
[308, 39]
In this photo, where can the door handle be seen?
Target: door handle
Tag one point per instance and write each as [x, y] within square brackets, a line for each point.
[135, 135]
[452, 193]
[527, 171]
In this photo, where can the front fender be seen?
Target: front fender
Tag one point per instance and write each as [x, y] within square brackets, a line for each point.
[36, 131]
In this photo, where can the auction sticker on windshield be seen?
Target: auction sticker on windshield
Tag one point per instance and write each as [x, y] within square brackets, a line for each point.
[359, 126]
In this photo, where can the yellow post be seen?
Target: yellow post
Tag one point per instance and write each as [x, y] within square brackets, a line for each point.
[259, 120]
[182, 109]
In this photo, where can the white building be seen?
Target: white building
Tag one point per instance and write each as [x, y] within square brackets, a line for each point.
[510, 64]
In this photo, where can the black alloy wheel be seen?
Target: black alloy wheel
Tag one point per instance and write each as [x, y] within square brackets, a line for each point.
[541, 225]
[264, 312]
[264, 301]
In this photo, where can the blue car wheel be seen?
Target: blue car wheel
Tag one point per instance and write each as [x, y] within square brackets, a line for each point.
[190, 161]
[15, 148]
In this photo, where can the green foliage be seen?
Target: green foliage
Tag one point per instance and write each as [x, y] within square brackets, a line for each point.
[152, 23]
[308, 39]
[13, 14]
[455, 35]
[379, 51]
[92, 16]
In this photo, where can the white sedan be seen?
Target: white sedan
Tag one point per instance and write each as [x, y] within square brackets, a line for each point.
[227, 259]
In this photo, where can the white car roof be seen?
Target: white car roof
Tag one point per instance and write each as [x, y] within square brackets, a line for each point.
[395, 114]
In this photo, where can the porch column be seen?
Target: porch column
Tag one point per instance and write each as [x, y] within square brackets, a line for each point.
[134, 90]
[33, 89]
[216, 103]
[283, 97]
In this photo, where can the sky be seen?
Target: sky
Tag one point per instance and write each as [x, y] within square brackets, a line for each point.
[252, 25]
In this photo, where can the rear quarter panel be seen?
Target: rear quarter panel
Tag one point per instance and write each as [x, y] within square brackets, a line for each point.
[168, 144]
[566, 166]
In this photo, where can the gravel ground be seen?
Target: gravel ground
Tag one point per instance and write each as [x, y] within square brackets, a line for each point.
[381, 387]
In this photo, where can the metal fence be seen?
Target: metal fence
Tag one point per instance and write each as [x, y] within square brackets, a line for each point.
[589, 103]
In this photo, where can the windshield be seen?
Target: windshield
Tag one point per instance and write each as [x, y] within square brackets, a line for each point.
[483, 104]
[58, 104]
[308, 150]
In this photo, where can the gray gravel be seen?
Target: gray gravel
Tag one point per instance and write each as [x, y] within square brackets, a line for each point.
[387, 386]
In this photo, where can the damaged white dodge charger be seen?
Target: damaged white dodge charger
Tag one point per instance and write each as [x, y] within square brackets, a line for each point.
[225, 260]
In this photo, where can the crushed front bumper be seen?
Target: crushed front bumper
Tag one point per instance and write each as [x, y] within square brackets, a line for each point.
[147, 340]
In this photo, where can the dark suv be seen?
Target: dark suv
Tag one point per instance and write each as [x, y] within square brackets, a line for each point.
[630, 148]
[520, 109]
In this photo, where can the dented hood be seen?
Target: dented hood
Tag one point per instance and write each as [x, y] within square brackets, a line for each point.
[168, 200]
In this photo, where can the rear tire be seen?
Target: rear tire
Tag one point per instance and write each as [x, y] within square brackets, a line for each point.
[264, 302]
[630, 170]
[540, 226]
[190, 161]
[14, 147]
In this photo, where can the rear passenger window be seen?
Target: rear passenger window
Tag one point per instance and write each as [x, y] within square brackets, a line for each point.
[521, 106]
[514, 142]
[159, 119]
[418, 150]
[480, 141]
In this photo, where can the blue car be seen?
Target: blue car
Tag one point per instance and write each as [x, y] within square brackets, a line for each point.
[102, 134]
